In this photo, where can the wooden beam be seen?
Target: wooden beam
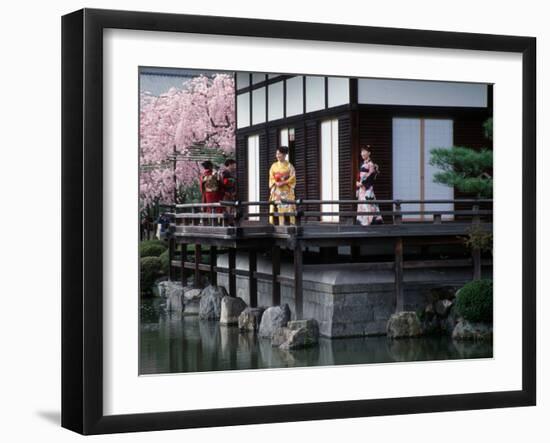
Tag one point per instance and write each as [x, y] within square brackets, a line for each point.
[171, 246]
[213, 276]
[231, 264]
[476, 258]
[252, 278]
[198, 258]
[399, 301]
[298, 280]
[275, 271]
[183, 260]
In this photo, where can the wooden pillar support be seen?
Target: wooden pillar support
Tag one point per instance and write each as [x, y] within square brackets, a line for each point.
[198, 258]
[298, 280]
[275, 271]
[171, 247]
[213, 276]
[399, 301]
[476, 259]
[232, 275]
[252, 279]
[183, 260]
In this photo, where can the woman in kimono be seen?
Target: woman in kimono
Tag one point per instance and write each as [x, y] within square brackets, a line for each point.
[282, 181]
[365, 189]
[210, 185]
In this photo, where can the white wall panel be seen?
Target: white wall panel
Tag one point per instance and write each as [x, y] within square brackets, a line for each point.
[253, 171]
[243, 110]
[315, 93]
[329, 167]
[258, 106]
[275, 101]
[338, 91]
[294, 96]
[421, 93]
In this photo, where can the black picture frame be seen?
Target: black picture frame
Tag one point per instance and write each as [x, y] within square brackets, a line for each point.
[82, 190]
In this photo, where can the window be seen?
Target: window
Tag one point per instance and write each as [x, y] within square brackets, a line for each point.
[286, 138]
[294, 96]
[329, 168]
[315, 93]
[413, 139]
[275, 101]
[253, 171]
[243, 110]
[243, 80]
[258, 106]
[338, 91]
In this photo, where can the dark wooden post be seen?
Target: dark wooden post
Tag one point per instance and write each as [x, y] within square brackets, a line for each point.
[232, 275]
[171, 247]
[399, 301]
[198, 258]
[476, 252]
[183, 261]
[298, 280]
[275, 271]
[213, 261]
[398, 217]
[252, 280]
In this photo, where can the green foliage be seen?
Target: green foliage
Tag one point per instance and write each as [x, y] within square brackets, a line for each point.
[151, 248]
[149, 271]
[479, 238]
[190, 193]
[475, 301]
[465, 169]
[165, 262]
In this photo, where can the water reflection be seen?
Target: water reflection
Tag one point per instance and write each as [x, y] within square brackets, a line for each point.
[171, 342]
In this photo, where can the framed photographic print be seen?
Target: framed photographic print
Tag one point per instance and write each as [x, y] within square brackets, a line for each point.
[269, 221]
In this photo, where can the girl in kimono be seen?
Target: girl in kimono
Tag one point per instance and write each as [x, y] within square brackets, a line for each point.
[365, 189]
[210, 184]
[282, 181]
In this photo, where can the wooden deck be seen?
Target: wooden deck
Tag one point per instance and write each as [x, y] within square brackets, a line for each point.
[246, 226]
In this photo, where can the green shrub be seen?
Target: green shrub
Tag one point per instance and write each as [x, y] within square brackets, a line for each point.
[151, 248]
[475, 301]
[165, 262]
[149, 271]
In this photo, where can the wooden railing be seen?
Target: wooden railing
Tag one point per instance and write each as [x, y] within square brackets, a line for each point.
[297, 212]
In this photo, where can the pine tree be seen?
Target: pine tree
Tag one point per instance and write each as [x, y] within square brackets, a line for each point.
[464, 168]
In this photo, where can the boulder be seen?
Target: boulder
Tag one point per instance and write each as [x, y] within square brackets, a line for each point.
[174, 296]
[465, 330]
[448, 324]
[161, 286]
[231, 309]
[191, 300]
[296, 335]
[249, 319]
[442, 307]
[211, 302]
[403, 325]
[273, 318]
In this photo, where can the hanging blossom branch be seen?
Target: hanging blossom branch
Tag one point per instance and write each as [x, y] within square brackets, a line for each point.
[202, 113]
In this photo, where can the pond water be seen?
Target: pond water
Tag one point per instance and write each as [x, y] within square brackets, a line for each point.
[171, 342]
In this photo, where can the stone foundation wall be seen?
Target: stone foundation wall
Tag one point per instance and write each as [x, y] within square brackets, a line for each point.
[349, 299]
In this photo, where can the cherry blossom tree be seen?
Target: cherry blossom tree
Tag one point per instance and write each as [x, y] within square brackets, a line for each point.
[201, 113]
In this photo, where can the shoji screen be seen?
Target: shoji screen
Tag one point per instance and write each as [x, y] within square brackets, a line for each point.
[413, 139]
[329, 166]
[253, 165]
[406, 162]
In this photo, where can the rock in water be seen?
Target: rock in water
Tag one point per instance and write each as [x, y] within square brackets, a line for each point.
[211, 301]
[249, 319]
[403, 325]
[273, 318]
[442, 307]
[231, 309]
[465, 330]
[174, 296]
[296, 335]
[191, 299]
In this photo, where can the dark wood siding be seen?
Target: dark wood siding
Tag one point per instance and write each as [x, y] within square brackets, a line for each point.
[242, 177]
[312, 158]
[300, 161]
